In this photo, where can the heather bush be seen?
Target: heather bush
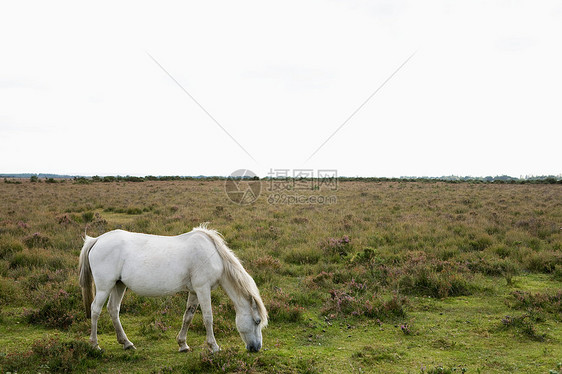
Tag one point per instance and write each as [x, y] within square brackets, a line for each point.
[300, 256]
[320, 280]
[494, 266]
[479, 244]
[40, 277]
[155, 328]
[524, 324]
[52, 355]
[345, 303]
[264, 268]
[542, 261]
[57, 310]
[336, 248]
[10, 292]
[32, 258]
[431, 277]
[37, 240]
[426, 282]
[557, 273]
[87, 217]
[232, 360]
[369, 355]
[9, 245]
[282, 308]
[442, 370]
[539, 302]
[137, 305]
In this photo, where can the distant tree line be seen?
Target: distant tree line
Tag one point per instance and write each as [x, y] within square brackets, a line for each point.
[501, 179]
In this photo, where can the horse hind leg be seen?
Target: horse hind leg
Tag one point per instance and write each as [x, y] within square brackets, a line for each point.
[113, 307]
[190, 310]
[97, 305]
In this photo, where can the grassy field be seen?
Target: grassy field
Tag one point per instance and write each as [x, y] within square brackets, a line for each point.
[392, 278]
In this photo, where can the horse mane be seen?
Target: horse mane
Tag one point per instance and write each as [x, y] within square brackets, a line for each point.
[235, 271]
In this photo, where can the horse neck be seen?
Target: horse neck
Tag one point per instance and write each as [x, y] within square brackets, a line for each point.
[238, 298]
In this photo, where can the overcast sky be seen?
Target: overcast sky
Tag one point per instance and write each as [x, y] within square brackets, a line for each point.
[482, 95]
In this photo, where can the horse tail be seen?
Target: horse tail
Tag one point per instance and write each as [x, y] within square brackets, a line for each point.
[86, 278]
[235, 271]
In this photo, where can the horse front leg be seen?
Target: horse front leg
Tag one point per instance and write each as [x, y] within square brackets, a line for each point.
[113, 307]
[204, 297]
[190, 310]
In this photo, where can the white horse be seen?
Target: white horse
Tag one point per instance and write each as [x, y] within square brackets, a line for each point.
[153, 265]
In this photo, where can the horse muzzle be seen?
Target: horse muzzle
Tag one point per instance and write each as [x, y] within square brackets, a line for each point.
[253, 347]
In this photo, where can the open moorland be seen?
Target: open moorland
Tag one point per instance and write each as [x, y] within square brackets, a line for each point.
[392, 277]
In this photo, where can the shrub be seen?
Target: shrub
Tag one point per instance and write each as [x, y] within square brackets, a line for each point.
[320, 280]
[543, 261]
[8, 246]
[53, 355]
[501, 250]
[9, 291]
[339, 247]
[282, 307]
[137, 305]
[65, 219]
[494, 266]
[435, 278]
[302, 256]
[264, 268]
[44, 276]
[524, 324]
[267, 233]
[88, 217]
[232, 360]
[37, 240]
[57, 311]
[11, 181]
[155, 329]
[82, 180]
[366, 257]
[134, 211]
[442, 370]
[557, 273]
[549, 302]
[345, 303]
[369, 355]
[480, 243]
[36, 258]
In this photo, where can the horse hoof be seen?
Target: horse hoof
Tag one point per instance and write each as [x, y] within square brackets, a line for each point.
[184, 349]
[130, 346]
[215, 349]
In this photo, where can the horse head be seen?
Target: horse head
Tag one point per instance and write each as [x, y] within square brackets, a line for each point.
[249, 325]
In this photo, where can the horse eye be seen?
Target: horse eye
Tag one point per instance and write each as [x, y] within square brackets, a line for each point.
[257, 321]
